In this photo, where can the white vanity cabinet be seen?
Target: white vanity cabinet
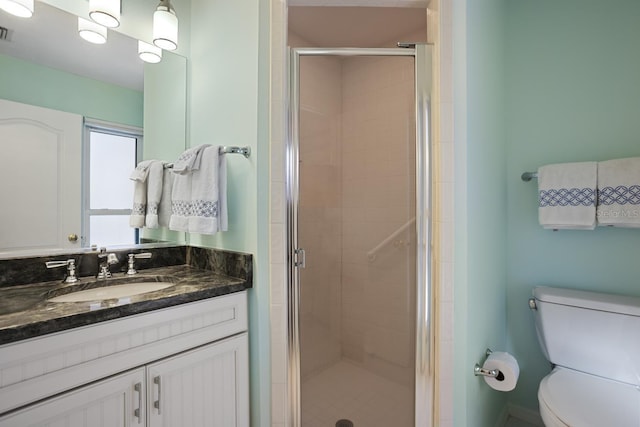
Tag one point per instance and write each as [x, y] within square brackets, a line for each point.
[181, 366]
[204, 387]
[113, 402]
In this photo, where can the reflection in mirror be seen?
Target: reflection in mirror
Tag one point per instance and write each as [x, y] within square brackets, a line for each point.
[50, 66]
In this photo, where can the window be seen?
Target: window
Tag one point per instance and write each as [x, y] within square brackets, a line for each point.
[111, 152]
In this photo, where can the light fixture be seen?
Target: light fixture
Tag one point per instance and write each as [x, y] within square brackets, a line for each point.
[105, 12]
[149, 53]
[92, 32]
[20, 8]
[165, 26]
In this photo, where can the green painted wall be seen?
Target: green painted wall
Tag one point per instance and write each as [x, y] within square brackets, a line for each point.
[481, 206]
[572, 94]
[165, 121]
[228, 82]
[28, 83]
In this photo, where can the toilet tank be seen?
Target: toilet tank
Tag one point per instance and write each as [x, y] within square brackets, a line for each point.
[591, 332]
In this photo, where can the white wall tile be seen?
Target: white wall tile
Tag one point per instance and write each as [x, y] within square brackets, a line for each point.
[278, 404]
[278, 284]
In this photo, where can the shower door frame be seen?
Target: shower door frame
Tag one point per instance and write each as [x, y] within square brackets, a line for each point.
[424, 352]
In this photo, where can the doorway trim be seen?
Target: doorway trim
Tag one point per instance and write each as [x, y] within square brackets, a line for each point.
[425, 349]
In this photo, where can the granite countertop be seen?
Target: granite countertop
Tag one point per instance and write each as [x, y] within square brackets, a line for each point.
[26, 313]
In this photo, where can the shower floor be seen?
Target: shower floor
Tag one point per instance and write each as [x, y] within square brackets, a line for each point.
[346, 391]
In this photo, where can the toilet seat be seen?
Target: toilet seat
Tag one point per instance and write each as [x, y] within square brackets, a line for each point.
[575, 399]
[548, 417]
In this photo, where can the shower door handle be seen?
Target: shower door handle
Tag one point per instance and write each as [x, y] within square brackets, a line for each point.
[301, 258]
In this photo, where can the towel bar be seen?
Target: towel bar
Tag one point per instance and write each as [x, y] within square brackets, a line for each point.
[245, 151]
[528, 176]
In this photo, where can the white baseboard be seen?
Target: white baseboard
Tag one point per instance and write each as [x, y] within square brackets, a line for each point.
[525, 414]
[504, 416]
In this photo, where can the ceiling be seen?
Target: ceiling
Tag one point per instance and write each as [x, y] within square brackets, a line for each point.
[50, 37]
[356, 26]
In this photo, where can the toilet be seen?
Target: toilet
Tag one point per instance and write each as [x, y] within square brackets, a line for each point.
[593, 342]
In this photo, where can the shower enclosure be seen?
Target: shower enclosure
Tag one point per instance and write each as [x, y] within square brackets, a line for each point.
[358, 187]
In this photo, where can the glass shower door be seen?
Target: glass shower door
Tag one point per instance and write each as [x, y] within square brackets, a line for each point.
[355, 216]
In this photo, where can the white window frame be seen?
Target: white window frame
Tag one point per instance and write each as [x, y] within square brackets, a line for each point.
[94, 125]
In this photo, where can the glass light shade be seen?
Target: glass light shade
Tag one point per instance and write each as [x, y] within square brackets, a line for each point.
[105, 12]
[149, 53]
[165, 27]
[92, 32]
[19, 8]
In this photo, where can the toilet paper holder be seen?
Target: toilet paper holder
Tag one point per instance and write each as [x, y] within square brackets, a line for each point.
[480, 371]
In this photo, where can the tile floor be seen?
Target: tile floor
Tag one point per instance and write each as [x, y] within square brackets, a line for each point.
[346, 391]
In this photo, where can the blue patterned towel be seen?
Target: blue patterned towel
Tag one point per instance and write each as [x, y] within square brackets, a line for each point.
[567, 196]
[619, 193]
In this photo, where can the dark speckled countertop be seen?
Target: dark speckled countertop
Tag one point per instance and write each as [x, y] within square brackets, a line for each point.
[26, 313]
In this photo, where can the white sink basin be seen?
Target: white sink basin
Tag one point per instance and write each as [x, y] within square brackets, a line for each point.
[111, 292]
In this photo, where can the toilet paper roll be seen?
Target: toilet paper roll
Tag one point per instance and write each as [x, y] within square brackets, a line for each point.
[508, 369]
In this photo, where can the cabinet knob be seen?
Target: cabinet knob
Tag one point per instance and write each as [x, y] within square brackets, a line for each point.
[73, 237]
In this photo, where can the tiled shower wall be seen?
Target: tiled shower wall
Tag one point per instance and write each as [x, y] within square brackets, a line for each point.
[378, 275]
[320, 211]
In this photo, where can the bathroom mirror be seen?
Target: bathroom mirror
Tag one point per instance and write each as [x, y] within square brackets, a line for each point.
[48, 44]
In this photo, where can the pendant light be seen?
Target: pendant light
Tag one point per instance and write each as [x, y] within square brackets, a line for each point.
[19, 8]
[92, 32]
[149, 53]
[105, 12]
[165, 26]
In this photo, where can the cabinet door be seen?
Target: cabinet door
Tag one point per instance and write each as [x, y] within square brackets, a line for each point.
[114, 402]
[205, 387]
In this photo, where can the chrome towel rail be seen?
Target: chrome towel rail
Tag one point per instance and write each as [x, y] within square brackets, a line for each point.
[528, 176]
[245, 151]
[225, 149]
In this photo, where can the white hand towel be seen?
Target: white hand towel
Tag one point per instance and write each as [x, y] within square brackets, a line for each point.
[619, 193]
[141, 171]
[181, 208]
[154, 192]
[164, 209]
[139, 209]
[567, 196]
[223, 217]
[205, 194]
[180, 202]
[189, 160]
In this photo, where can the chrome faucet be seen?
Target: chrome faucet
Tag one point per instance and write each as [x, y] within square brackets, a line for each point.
[71, 269]
[105, 260]
[132, 258]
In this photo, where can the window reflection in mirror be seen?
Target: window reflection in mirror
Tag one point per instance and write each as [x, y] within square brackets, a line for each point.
[112, 153]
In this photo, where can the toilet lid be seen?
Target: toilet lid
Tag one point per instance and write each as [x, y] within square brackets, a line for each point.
[583, 400]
